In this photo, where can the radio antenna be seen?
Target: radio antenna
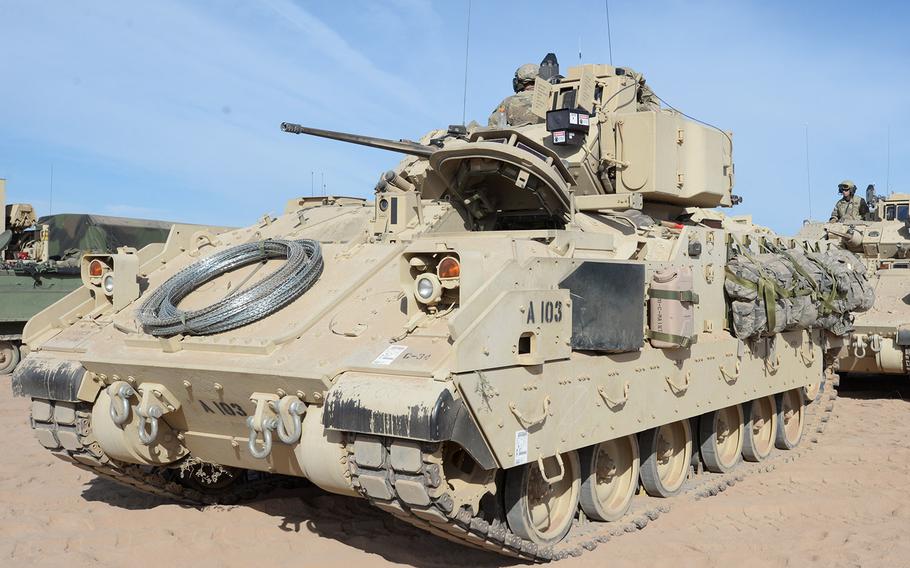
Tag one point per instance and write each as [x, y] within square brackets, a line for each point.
[888, 170]
[467, 45]
[609, 35]
[808, 179]
[50, 206]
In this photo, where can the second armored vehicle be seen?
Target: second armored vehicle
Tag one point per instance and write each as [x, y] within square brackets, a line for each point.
[40, 260]
[881, 341]
[522, 329]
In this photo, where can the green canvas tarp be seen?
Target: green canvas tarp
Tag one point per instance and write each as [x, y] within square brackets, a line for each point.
[77, 233]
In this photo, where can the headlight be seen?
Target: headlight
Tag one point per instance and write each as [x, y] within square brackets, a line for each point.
[428, 289]
[108, 284]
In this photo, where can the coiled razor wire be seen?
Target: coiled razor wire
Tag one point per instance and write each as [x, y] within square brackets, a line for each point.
[160, 316]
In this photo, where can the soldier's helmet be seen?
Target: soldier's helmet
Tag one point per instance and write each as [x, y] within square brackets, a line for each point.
[524, 76]
[846, 185]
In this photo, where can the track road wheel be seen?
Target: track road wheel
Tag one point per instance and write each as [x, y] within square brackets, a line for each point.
[811, 392]
[791, 408]
[667, 451]
[9, 356]
[720, 437]
[609, 478]
[760, 429]
[541, 509]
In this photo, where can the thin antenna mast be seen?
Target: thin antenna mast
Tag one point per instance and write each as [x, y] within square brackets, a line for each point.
[808, 179]
[312, 183]
[467, 45]
[609, 34]
[888, 171]
[50, 206]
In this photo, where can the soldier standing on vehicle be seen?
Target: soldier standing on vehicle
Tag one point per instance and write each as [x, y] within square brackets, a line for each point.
[515, 110]
[850, 207]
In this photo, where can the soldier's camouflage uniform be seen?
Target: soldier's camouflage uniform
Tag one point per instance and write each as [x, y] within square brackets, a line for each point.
[853, 209]
[517, 109]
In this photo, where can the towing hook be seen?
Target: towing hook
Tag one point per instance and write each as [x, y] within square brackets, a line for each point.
[281, 415]
[120, 392]
[148, 436]
[267, 426]
[859, 347]
[290, 409]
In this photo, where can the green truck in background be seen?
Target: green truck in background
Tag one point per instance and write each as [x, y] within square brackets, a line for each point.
[40, 260]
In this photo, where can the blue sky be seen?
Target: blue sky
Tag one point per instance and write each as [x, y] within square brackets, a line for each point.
[171, 110]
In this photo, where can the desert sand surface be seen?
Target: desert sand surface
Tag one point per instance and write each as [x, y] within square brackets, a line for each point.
[844, 503]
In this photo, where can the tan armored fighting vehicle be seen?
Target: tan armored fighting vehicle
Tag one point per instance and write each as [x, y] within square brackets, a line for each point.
[516, 343]
[881, 341]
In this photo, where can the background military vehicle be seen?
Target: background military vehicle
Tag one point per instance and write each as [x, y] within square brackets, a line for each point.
[40, 261]
[881, 342]
[522, 329]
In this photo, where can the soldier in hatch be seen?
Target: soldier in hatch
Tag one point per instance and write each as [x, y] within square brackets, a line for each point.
[850, 207]
[515, 110]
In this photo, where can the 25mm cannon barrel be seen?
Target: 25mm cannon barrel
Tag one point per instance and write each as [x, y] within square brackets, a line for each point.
[403, 146]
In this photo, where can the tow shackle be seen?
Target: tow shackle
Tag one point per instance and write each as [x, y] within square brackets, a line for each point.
[283, 416]
[290, 409]
[120, 392]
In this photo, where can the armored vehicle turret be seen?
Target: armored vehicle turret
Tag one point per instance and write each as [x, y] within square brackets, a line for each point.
[880, 343]
[523, 327]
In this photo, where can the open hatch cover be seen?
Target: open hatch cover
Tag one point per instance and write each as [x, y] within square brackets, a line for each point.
[504, 172]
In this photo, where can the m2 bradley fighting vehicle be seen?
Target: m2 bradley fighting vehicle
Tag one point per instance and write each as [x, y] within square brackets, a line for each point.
[40, 261]
[522, 334]
[880, 343]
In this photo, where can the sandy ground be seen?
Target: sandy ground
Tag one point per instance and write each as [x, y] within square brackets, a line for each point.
[845, 503]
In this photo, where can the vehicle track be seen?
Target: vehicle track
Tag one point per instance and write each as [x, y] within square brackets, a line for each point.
[423, 501]
[431, 508]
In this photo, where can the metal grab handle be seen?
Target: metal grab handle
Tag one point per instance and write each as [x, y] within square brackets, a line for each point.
[679, 389]
[615, 403]
[730, 378]
[295, 410]
[120, 394]
[147, 437]
[556, 478]
[526, 422]
[772, 358]
[811, 358]
[267, 427]
[773, 364]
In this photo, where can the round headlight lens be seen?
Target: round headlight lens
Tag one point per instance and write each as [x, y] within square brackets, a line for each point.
[425, 288]
[108, 283]
[383, 204]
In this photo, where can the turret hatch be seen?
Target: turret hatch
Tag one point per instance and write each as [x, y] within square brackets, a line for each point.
[505, 181]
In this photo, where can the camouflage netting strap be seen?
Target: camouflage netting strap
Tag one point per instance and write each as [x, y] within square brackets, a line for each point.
[681, 340]
[680, 295]
[766, 287]
[767, 290]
